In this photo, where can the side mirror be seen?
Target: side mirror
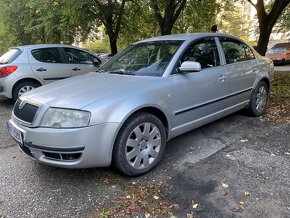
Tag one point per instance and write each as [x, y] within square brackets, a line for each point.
[96, 61]
[189, 66]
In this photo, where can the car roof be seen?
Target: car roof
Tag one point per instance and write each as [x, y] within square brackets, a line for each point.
[187, 36]
[44, 46]
[36, 46]
[282, 45]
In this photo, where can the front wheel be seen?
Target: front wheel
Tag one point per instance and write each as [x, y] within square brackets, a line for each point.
[140, 144]
[22, 88]
[259, 100]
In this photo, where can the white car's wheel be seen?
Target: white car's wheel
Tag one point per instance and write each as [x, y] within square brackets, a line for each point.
[140, 144]
[22, 88]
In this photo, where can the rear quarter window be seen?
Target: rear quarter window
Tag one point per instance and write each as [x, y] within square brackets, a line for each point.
[10, 56]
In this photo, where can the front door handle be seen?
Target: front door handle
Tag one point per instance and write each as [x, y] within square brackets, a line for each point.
[76, 69]
[222, 78]
[41, 69]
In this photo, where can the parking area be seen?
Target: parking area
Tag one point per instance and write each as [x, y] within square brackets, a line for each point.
[285, 68]
[238, 166]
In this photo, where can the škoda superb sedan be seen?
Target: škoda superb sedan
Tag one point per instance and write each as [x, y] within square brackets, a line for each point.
[147, 94]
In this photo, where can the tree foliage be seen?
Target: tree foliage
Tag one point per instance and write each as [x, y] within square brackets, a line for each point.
[126, 21]
[110, 13]
[42, 21]
[198, 16]
[167, 12]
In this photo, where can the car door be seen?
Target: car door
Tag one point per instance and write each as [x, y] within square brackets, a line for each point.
[241, 67]
[80, 62]
[199, 97]
[48, 65]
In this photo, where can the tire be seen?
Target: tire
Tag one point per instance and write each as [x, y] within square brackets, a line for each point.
[259, 100]
[283, 62]
[22, 88]
[140, 144]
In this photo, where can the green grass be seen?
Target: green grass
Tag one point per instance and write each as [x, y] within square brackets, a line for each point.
[280, 92]
[279, 102]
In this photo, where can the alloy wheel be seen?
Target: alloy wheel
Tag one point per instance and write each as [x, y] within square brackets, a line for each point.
[143, 145]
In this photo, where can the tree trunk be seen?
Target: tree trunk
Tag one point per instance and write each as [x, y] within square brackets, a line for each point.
[167, 19]
[113, 45]
[166, 29]
[265, 32]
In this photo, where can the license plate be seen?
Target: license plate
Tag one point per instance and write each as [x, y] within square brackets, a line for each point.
[15, 133]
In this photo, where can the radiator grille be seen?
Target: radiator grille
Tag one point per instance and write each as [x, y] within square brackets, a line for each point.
[25, 112]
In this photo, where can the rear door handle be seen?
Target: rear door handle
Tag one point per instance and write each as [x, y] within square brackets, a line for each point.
[41, 69]
[76, 69]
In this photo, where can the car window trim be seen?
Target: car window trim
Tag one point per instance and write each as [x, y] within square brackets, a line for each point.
[89, 54]
[174, 70]
[232, 39]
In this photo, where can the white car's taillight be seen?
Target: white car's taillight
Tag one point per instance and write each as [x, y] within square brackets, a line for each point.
[6, 71]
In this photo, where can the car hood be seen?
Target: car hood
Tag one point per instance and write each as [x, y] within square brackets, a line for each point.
[80, 91]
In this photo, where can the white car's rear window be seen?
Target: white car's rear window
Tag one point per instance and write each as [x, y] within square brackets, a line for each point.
[10, 56]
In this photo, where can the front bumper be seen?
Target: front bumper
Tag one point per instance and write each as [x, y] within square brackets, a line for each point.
[70, 148]
[276, 62]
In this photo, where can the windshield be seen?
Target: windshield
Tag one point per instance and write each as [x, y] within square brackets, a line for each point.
[10, 56]
[276, 51]
[145, 58]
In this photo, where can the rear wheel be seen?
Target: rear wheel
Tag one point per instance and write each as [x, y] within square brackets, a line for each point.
[140, 144]
[22, 88]
[259, 100]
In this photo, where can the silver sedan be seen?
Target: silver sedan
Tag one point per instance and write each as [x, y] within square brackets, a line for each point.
[145, 95]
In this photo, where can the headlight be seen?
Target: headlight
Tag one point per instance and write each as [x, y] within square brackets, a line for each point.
[65, 118]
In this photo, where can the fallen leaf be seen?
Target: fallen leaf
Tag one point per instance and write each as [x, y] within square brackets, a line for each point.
[244, 140]
[242, 203]
[273, 155]
[287, 153]
[228, 155]
[189, 215]
[147, 215]
[128, 196]
[225, 185]
[155, 197]
[194, 206]
[247, 193]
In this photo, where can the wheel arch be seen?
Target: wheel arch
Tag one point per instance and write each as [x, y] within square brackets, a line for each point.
[151, 110]
[266, 80]
[24, 80]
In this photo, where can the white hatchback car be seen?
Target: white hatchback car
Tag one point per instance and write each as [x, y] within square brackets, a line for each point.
[26, 67]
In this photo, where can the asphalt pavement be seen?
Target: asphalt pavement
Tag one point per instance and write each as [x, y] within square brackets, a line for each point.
[238, 166]
[285, 68]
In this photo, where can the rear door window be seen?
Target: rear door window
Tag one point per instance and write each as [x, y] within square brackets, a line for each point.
[10, 56]
[236, 51]
[47, 55]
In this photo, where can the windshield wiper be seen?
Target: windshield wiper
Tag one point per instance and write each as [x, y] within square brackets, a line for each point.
[121, 72]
